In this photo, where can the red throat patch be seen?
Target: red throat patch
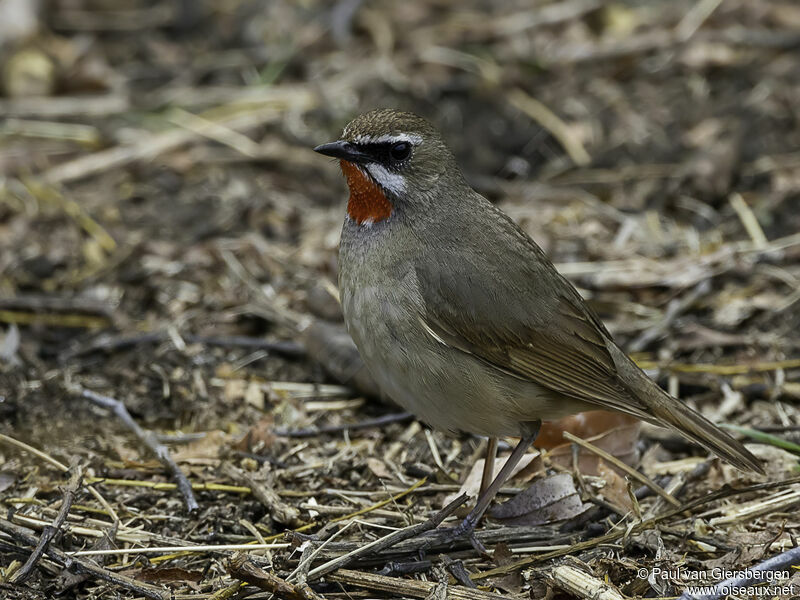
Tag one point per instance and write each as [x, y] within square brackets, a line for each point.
[367, 200]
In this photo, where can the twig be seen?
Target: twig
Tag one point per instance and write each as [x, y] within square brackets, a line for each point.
[66, 106]
[278, 509]
[184, 549]
[286, 348]
[107, 343]
[781, 562]
[640, 477]
[408, 587]
[217, 132]
[50, 531]
[582, 585]
[285, 316]
[392, 568]
[772, 504]
[309, 550]
[244, 569]
[98, 530]
[227, 592]
[57, 304]
[749, 220]
[36, 452]
[153, 145]
[438, 540]
[552, 123]
[389, 540]
[457, 569]
[515, 23]
[694, 18]
[382, 503]
[149, 440]
[757, 367]
[673, 488]
[301, 572]
[85, 134]
[437, 459]
[69, 580]
[164, 485]
[366, 424]
[130, 20]
[53, 320]
[674, 310]
[80, 566]
[611, 536]
[61, 467]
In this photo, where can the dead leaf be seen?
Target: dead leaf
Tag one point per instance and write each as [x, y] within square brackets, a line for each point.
[235, 389]
[166, 575]
[254, 395]
[620, 442]
[6, 480]
[258, 437]
[472, 483]
[205, 448]
[378, 468]
[546, 501]
[615, 488]
[512, 582]
[583, 425]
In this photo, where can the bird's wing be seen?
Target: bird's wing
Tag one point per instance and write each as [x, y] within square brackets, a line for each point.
[508, 306]
[499, 298]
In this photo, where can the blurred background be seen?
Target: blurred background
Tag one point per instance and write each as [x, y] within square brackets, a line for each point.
[167, 236]
[156, 170]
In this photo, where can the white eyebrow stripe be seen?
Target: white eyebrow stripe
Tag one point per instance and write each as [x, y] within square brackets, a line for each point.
[393, 182]
[412, 138]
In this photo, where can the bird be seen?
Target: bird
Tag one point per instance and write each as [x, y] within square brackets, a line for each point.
[462, 319]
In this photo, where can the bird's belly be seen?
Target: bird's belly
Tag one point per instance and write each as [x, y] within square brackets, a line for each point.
[445, 387]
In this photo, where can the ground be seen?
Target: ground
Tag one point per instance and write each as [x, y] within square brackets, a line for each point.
[168, 239]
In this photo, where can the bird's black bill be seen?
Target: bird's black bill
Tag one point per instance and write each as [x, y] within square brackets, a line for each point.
[343, 150]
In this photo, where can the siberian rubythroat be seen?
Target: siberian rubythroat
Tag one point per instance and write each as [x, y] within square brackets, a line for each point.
[461, 318]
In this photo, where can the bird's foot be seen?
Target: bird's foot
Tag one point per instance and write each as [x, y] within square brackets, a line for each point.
[465, 529]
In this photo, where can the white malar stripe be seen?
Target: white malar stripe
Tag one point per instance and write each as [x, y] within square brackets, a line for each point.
[412, 138]
[392, 182]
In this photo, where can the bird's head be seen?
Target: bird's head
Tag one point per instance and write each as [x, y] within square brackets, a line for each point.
[389, 158]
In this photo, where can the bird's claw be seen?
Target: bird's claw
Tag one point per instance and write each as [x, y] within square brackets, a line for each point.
[465, 529]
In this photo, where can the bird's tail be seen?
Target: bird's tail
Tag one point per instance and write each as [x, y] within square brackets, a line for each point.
[699, 429]
[662, 409]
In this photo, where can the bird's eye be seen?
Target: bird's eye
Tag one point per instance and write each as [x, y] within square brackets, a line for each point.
[400, 151]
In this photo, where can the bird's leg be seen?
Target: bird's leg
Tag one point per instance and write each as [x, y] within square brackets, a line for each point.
[485, 498]
[488, 465]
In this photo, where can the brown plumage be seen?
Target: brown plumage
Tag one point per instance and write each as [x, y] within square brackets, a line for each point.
[462, 318]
